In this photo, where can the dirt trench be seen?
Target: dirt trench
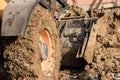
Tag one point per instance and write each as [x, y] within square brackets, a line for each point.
[106, 60]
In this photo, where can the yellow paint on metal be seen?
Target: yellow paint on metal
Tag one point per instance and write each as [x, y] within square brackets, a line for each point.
[2, 6]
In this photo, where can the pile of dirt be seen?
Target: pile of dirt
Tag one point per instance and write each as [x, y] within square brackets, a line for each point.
[106, 61]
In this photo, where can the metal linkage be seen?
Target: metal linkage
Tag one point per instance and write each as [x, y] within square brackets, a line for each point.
[86, 38]
[77, 18]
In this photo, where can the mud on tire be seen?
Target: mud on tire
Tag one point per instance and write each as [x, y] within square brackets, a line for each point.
[23, 56]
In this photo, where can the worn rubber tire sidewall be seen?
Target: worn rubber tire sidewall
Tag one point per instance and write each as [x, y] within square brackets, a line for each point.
[22, 57]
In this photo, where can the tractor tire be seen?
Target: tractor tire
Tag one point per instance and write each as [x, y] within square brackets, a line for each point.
[36, 54]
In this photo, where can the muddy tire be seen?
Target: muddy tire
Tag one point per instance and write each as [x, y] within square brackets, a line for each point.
[35, 55]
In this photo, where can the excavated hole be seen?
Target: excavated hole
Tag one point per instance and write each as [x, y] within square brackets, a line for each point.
[82, 63]
[74, 72]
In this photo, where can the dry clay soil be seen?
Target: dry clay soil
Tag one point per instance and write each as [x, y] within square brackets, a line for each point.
[106, 60]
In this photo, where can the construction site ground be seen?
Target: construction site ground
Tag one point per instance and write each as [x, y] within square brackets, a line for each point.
[106, 61]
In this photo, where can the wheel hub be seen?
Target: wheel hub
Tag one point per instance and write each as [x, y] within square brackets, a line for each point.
[47, 50]
[44, 50]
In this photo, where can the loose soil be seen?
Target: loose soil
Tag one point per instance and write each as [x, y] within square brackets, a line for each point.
[106, 61]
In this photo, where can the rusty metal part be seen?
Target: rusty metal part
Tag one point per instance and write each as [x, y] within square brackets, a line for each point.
[16, 16]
